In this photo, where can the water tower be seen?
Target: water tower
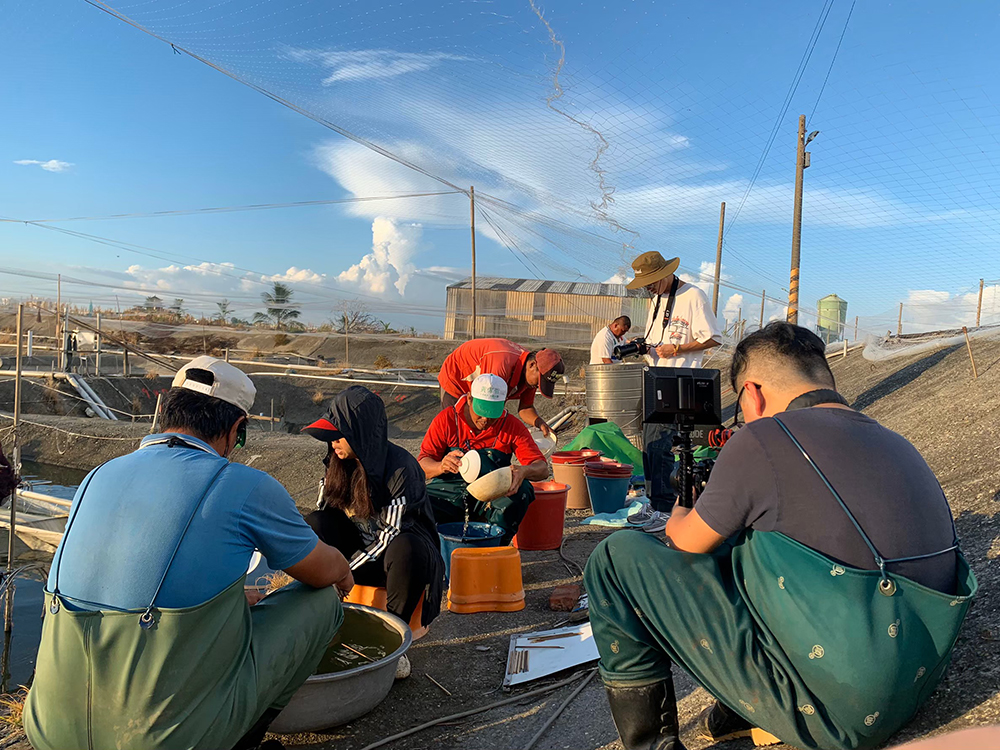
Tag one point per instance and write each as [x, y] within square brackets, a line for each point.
[832, 317]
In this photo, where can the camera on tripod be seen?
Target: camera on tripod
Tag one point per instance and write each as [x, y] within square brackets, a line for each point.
[637, 347]
[685, 398]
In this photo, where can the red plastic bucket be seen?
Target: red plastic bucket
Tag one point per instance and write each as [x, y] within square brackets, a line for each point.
[605, 468]
[567, 468]
[542, 525]
[575, 457]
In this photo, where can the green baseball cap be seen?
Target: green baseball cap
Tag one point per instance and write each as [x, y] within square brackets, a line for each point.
[489, 394]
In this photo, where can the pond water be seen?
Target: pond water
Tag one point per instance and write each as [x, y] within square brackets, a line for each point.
[20, 648]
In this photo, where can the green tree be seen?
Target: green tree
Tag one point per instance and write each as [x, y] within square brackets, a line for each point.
[279, 308]
[225, 310]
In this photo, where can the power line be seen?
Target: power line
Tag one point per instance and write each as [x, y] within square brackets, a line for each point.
[833, 60]
[796, 79]
[231, 209]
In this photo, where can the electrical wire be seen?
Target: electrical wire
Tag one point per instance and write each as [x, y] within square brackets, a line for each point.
[232, 209]
[793, 87]
[833, 60]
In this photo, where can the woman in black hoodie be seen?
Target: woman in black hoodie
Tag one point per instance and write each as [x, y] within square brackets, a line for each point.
[374, 508]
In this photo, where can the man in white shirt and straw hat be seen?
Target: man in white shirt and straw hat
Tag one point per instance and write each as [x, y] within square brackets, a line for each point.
[680, 327]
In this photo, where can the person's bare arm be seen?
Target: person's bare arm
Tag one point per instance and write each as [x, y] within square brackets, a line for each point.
[670, 350]
[530, 417]
[687, 531]
[450, 464]
[536, 471]
[324, 566]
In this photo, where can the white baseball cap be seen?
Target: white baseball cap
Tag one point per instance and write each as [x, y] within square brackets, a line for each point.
[489, 393]
[230, 384]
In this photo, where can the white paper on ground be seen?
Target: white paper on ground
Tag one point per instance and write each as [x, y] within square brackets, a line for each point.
[577, 647]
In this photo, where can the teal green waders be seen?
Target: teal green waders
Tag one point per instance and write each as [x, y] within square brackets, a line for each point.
[450, 498]
[820, 654]
[196, 677]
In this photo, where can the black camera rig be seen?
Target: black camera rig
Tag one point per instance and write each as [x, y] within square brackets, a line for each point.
[683, 397]
[637, 347]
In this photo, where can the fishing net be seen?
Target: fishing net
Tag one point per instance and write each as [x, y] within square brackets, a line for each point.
[588, 140]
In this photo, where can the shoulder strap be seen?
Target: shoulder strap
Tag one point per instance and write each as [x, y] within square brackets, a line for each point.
[885, 585]
[669, 314]
[146, 618]
[69, 525]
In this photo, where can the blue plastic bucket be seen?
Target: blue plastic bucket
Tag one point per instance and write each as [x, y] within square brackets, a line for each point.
[477, 534]
[608, 494]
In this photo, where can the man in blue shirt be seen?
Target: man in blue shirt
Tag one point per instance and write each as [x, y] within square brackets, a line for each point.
[148, 640]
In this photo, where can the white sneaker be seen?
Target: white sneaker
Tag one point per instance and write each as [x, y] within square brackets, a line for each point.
[641, 516]
[403, 667]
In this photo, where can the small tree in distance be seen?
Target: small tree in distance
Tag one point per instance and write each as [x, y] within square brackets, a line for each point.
[280, 310]
[225, 310]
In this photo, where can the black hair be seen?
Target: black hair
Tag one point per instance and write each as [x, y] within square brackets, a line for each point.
[209, 418]
[799, 346]
[623, 319]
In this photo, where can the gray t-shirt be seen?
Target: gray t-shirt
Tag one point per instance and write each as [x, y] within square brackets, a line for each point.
[762, 481]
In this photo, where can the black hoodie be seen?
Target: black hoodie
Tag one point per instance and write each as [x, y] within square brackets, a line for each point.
[396, 481]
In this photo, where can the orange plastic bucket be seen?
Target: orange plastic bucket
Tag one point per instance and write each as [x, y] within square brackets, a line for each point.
[542, 525]
[567, 468]
[374, 596]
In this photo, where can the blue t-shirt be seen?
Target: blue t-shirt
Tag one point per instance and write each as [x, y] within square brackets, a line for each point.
[133, 514]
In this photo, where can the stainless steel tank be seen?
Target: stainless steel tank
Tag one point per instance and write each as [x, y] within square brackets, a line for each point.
[614, 393]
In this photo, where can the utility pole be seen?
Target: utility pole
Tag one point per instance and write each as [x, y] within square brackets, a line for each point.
[97, 343]
[979, 305]
[718, 261]
[9, 602]
[472, 222]
[855, 328]
[59, 351]
[899, 325]
[801, 163]
[763, 296]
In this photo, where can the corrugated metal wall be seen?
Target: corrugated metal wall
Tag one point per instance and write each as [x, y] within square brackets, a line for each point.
[546, 315]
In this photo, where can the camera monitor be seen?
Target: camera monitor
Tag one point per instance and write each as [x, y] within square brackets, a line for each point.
[682, 396]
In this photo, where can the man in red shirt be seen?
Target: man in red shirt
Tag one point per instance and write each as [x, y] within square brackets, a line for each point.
[521, 370]
[479, 422]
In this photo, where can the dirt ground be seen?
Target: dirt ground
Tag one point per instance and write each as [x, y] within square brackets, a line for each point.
[930, 399]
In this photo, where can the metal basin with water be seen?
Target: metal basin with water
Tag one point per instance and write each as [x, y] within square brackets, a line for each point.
[329, 700]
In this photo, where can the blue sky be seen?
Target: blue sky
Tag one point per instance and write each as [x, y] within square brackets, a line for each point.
[899, 201]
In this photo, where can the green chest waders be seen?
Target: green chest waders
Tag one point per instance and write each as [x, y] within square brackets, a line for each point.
[449, 496]
[152, 678]
[820, 654]
[866, 647]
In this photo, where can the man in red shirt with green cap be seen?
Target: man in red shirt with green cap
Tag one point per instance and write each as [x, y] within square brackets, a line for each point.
[479, 422]
[524, 372]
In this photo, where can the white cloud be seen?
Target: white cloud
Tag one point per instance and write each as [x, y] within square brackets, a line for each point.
[368, 64]
[931, 309]
[390, 262]
[52, 165]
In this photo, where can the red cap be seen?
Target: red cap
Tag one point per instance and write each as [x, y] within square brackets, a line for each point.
[323, 429]
[550, 366]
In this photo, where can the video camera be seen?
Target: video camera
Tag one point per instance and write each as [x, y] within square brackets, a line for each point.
[635, 348]
[684, 397]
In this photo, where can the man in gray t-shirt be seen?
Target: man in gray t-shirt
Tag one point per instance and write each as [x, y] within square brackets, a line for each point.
[762, 481]
[813, 495]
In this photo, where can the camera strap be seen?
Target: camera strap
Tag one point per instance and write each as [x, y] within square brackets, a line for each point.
[667, 315]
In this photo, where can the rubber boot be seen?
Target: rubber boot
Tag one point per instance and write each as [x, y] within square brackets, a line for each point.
[646, 716]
